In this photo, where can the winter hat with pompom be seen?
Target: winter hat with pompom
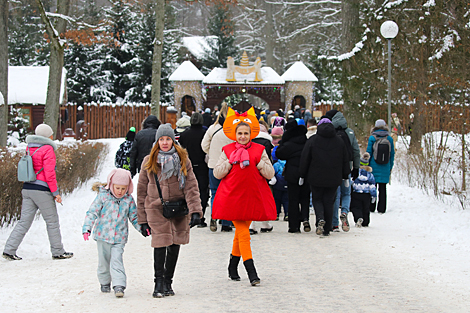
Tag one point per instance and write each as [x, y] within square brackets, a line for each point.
[276, 133]
[120, 176]
[165, 130]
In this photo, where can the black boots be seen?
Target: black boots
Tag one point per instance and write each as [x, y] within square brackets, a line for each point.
[233, 267]
[172, 253]
[159, 255]
[251, 270]
[165, 259]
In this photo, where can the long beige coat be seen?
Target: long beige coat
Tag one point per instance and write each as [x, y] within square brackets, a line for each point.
[166, 232]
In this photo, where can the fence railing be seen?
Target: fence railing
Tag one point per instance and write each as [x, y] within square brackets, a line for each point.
[107, 121]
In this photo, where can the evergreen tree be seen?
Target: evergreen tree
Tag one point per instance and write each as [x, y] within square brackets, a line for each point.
[26, 43]
[222, 45]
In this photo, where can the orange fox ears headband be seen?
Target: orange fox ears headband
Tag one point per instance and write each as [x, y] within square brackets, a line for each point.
[233, 119]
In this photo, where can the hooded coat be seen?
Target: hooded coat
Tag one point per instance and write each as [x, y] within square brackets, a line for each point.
[324, 161]
[381, 172]
[143, 143]
[290, 149]
[339, 121]
[166, 232]
[44, 158]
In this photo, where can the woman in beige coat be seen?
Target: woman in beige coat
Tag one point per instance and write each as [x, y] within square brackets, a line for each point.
[170, 163]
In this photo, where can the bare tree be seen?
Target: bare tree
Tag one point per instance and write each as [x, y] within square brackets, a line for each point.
[52, 109]
[3, 72]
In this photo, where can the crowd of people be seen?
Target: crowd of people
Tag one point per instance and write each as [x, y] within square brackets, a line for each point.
[253, 168]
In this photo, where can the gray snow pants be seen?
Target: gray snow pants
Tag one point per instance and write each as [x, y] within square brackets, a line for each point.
[110, 263]
[32, 201]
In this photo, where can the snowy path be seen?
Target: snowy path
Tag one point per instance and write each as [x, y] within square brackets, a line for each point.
[414, 258]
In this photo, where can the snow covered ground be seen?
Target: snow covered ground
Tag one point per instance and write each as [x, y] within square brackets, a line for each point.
[413, 258]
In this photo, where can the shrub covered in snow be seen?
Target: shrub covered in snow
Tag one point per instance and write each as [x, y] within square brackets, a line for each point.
[77, 162]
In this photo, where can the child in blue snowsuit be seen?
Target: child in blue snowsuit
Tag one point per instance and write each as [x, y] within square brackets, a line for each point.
[279, 185]
[109, 213]
[363, 193]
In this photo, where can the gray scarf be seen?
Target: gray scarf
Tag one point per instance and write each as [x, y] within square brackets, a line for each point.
[171, 166]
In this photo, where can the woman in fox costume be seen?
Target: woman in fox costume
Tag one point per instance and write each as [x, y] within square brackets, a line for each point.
[243, 195]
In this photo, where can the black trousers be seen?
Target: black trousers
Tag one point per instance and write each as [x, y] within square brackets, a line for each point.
[381, 201]
[299, 201]
[360, 207]
[202, 177]
[323, 199]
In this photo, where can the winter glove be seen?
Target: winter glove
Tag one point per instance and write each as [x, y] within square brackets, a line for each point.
[346, 182]
[373, 200]
[355, 173]
[273, 181]
[195, 220]
[145, 230]
[301, 181]
[85, 236]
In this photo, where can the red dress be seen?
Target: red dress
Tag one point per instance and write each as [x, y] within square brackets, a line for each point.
[244, 194]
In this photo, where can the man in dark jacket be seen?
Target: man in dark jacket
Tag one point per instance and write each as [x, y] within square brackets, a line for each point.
[207, 116]
[290, 149]
[343, 193]
[143, 143]
[324, 163]
[191, 140]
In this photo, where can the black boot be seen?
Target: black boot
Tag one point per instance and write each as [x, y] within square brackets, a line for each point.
[251, 270]
[159, 255]
[233, 267]
[170, 264]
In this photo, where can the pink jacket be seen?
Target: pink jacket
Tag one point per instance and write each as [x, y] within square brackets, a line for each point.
[44, 158]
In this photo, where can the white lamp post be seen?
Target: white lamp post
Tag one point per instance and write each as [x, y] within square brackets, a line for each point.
[389, 30]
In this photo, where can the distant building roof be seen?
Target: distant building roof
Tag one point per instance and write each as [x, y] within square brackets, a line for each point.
[299, 72]
[187, 71]
[198, 45]
[28, 84]
[270, 77]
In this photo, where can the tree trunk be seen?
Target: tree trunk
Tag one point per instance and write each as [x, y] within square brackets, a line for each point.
[269, 34]
[349, 37]
[4, 71]
[56, 63]
[157, 57]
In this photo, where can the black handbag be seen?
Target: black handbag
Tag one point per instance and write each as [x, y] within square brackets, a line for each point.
[172, 209]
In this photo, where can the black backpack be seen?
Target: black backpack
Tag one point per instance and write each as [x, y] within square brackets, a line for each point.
[381, 150]
[342, 133]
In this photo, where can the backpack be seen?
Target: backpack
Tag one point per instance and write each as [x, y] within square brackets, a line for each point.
[381, 150]
[342, 133]
[25, 168]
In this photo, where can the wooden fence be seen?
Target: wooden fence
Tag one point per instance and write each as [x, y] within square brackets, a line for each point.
[106, 121]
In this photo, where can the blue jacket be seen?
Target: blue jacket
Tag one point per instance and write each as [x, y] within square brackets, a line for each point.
[365, 182]
[109, 216]
[381, 171]
[281, 183]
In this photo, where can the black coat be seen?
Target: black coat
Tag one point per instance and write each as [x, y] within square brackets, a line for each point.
[191, 140]
[324, 161]
[290, 149]
[207, 117]
[143, 143]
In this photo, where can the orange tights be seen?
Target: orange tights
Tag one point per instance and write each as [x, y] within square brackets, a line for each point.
[241, 241]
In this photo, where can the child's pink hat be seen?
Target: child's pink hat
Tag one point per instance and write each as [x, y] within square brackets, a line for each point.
[120, 176]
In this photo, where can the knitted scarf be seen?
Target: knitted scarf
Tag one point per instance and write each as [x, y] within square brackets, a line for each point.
[171, 165]
[240, 155]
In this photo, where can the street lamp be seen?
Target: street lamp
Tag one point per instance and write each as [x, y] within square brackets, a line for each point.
[389, 30]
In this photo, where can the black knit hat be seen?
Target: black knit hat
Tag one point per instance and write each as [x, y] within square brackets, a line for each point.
[331, 113]
[131, 134]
